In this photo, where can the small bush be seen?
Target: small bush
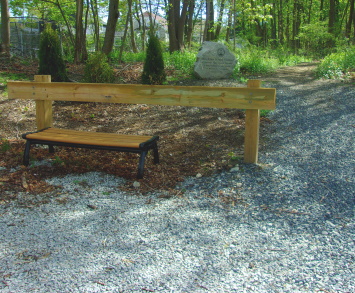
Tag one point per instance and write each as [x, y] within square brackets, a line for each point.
[153, 70]
[336, 65]
[98, 70]
[50, 56]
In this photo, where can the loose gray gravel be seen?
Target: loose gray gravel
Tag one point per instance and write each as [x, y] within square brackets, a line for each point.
[284, 225]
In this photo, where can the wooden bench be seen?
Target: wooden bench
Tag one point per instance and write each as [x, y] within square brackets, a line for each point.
[252, 98]
[93, 140]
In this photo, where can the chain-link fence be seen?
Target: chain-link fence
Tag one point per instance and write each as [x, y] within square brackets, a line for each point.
[24, 36]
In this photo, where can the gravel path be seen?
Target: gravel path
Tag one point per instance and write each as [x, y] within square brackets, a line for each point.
[285, 225]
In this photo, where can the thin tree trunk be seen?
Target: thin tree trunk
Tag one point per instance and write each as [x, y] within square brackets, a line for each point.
[113, 16]
[229, 21]
[310, 11]
[133, 41]
[321, 9]
[94, 10]
[350, 19]
[209, 34]
[280, 23]
[5, 28]
[219, 20]
[124, 37]
[332, 17]
[80, 54]
[190, 22]
[143, 27]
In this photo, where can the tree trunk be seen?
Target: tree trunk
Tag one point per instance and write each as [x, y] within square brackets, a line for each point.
[143, 26]
[350, 19]
[229, 21]
[274, 25]
[95, 16]
[113, 16]
[80, 53]
[123, 42]
[297, 12]
[321, 9]
[331, 22]
[219, 20]
[176, 23]
[5, 28]
[280, 23]
[310, 11]
[190, 22]
[133, 41]
[209, 33]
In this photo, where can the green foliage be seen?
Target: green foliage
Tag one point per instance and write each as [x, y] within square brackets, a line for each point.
[257, 62]
[4, 145]
[57, 161]
[286, 58]
[182, 61]
[130, 56]
[153, 70]
[337, 65]
[98, 70]
[50, 57]
[264, 113]
[5, 76]
[316, 40]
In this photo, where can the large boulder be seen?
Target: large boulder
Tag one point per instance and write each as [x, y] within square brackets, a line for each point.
[214, 61]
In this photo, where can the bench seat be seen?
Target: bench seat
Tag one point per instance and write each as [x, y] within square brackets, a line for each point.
[94, 140]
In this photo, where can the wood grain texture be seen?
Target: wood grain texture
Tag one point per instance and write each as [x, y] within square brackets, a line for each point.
[252, 126]
[193, 96]
[89, 138]
[43, 107]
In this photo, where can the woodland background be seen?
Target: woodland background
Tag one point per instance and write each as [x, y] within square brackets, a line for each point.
[306, 27]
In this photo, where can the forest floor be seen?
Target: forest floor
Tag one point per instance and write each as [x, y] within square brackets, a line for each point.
[192, 140]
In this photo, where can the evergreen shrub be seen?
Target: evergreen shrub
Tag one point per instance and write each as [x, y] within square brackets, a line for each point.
[51, 61]
[98, 70]
[153, 70]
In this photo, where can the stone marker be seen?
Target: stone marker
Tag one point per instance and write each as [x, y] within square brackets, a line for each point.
[214, 61]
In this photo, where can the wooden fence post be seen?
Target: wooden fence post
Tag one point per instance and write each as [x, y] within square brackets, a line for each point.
[252, 125]
[43, 108]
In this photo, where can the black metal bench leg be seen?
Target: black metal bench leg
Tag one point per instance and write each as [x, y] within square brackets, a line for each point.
[141, 164]
[51, 149]
[156, 153]
[26, 154]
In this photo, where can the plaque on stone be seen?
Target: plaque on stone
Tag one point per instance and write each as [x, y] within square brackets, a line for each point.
[214, 61]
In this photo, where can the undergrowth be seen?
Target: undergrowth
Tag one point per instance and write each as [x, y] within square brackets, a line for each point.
[337, 65]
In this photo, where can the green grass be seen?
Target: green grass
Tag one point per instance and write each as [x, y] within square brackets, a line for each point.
[132, 57]
[5, 76]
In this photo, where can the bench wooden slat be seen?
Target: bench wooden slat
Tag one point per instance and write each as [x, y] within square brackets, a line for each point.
[89, 138]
